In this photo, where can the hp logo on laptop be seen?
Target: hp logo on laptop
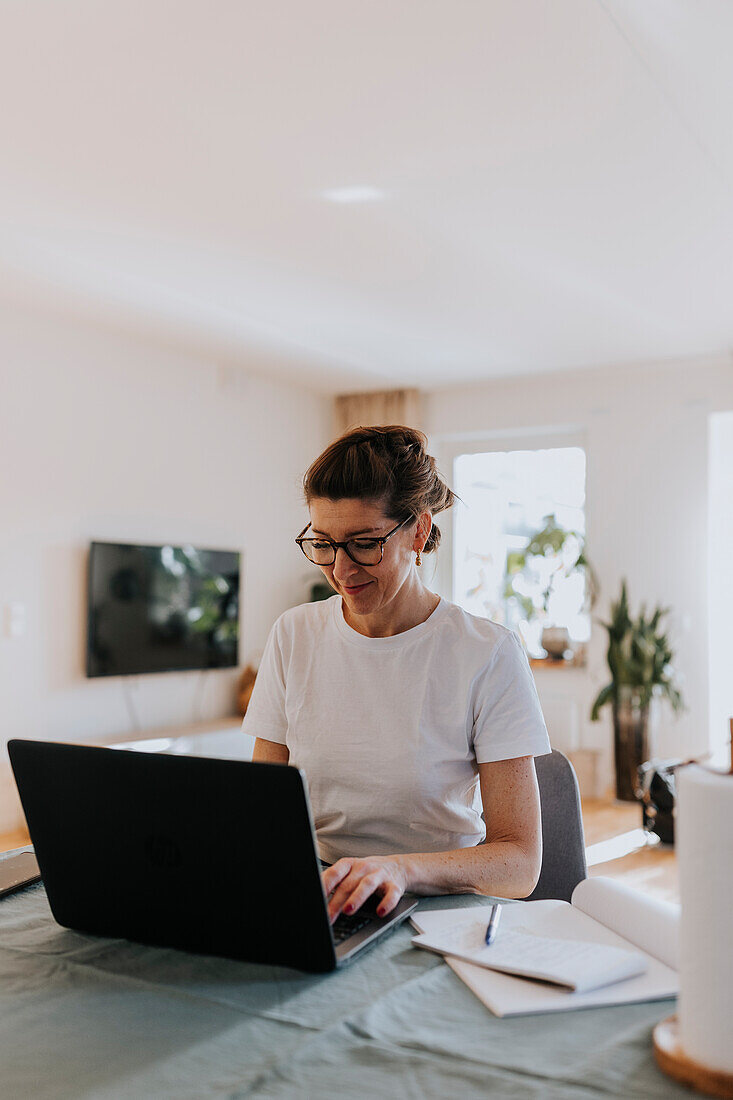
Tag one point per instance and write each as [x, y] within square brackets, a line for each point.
[162, 851]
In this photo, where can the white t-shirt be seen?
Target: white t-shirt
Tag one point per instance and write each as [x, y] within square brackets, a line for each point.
[390, 731]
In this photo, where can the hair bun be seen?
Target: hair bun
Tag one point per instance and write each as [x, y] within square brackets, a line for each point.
[388, 464]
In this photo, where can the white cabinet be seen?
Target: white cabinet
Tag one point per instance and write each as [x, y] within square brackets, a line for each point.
[221, 738]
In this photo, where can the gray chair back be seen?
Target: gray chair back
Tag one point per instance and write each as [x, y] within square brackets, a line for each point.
[563, 840]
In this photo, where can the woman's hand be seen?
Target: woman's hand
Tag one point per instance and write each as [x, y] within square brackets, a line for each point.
[353, 881]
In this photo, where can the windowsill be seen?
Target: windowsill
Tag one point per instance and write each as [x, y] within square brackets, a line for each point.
[551, 663]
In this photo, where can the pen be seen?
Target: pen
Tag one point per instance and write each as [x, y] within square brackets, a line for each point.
[493, 924]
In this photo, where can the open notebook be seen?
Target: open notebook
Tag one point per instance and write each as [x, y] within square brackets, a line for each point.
[602, 912]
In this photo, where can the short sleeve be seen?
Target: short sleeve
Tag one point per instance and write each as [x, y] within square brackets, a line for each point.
[508, 719]
[266, 715]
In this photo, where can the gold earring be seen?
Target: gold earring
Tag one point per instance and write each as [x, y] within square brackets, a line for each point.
[418, 559]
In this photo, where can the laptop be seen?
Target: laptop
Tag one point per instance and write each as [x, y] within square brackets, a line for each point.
[212, 856]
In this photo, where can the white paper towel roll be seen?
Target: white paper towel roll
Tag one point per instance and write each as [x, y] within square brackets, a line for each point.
[704, 839]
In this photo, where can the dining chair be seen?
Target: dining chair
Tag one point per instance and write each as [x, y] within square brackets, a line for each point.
[563, 839]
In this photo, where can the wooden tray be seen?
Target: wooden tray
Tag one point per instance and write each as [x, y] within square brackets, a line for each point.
[672, 1060]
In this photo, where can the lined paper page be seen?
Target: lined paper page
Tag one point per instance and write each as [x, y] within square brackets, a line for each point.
[575, 964]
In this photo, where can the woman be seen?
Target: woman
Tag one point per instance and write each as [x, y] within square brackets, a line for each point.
[399, 706]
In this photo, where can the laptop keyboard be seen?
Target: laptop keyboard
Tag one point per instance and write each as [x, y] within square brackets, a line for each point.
[345, 926]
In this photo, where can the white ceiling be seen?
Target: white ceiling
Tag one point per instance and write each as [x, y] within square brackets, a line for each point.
[557, 175]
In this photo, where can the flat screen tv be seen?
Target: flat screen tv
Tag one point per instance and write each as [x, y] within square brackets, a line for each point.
[161, 609]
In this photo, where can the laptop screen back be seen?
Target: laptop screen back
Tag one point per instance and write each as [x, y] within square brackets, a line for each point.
[213, 856]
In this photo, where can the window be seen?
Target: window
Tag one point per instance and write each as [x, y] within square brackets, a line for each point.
[507, 498]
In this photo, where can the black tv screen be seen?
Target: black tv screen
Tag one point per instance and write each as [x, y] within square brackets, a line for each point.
[161, 609]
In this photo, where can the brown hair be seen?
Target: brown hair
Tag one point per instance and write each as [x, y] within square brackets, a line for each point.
[387, 464]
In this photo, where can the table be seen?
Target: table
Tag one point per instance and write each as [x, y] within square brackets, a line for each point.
[87, 1017]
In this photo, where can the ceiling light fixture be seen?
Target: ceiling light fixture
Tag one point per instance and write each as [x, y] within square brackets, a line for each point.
[353, 194]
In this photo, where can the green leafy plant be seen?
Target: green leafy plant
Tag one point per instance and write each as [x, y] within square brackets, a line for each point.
[547, 543]
[639, 657]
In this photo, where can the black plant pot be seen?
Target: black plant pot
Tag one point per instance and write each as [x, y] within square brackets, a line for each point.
[630, 741]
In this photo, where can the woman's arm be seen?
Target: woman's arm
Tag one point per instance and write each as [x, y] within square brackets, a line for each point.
[270, 752]
[507, 865]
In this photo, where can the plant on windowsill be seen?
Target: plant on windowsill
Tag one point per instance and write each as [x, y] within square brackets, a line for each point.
[564, 552]
[640, 659]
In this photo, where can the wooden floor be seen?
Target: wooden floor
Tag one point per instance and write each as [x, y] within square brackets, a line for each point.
[616, 846]
[13, 840]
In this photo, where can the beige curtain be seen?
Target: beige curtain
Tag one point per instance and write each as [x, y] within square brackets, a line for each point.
[381, 407]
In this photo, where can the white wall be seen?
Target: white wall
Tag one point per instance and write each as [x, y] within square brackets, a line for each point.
[646, 435]
[105, 436]
[720, 600]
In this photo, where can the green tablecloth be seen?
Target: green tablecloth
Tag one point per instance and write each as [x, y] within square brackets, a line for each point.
[87, 1017]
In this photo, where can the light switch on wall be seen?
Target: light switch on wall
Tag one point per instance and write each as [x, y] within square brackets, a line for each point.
[15, 620]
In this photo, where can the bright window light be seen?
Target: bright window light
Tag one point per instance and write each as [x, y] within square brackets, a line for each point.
[507, 498]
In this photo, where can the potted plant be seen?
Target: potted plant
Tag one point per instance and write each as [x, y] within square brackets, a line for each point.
[639, 657]
[552, 553]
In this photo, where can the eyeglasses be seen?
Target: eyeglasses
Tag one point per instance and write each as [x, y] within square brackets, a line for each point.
[322, 551]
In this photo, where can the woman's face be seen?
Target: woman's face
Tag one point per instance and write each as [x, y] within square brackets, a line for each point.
[365, 589]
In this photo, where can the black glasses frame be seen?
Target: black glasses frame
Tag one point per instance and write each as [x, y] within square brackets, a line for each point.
[381, 539]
